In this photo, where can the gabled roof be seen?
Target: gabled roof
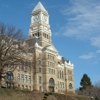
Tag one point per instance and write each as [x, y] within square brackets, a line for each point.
[40, 7]
[31, 41]
[51, 47]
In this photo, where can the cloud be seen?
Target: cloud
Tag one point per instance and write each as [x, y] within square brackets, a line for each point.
[82, 20]
[88, 56]
[95, 41]
[98, 51]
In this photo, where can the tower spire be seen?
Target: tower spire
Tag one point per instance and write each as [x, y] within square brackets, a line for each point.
[39, 7]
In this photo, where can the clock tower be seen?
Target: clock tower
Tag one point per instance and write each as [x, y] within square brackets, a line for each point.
[40, 27]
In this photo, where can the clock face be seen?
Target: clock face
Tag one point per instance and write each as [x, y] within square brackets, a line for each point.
[36, 18]
[44, 18]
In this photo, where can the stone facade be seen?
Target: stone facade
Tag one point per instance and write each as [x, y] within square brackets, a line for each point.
[49, 72]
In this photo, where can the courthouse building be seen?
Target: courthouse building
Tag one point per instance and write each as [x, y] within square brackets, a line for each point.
[50, 72]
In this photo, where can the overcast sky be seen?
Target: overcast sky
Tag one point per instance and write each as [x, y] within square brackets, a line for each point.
[75, 26]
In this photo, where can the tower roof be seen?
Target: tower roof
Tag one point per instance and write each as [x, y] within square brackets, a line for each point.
[40, 7]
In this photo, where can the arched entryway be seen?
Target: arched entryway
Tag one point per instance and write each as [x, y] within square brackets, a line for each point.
[51, 85]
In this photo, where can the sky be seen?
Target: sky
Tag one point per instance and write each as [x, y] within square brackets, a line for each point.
[75, 26]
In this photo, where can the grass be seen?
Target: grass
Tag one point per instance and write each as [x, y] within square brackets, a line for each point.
[11, 94]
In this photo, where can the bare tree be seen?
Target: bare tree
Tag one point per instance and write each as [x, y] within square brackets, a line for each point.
[97, 84]
[93, 92]
[12, 48]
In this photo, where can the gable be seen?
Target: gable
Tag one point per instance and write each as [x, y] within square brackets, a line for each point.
[51, 47]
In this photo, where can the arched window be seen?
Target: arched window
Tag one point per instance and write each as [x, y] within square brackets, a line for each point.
[51, 82]
[70, 86]
[9, 75]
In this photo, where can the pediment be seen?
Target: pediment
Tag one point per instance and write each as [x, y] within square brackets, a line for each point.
[51, 47]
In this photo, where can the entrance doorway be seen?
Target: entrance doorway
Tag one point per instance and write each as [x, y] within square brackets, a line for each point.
[51, 85]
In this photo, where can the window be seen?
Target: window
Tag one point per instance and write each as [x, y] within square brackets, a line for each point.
[40, 88]
[58, 85]
[70, 86]
[48, 56]
[40, 80]
[25, 68]
[18, 86]
[26, 78]
[69, 78]
[35, 34]
[62, 75]
[62, 84]
[53, 58]
[48, 63]
[47, 36]
[29, 79]
[51, 71]
[43, 34]
[58, 74]
[40, 70]
[69, 72]
[22, 87]
[11, 66]
[21, 67]
[39, 62]
[29, 68]
[9, 75]
[29, 87]
[9, 85]
[22, 77]
[58, 63]
[26, 87]
[51, 82]
[18, 77]
[54, 71]
[53, 65]
[39, 55]
[38, 34]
